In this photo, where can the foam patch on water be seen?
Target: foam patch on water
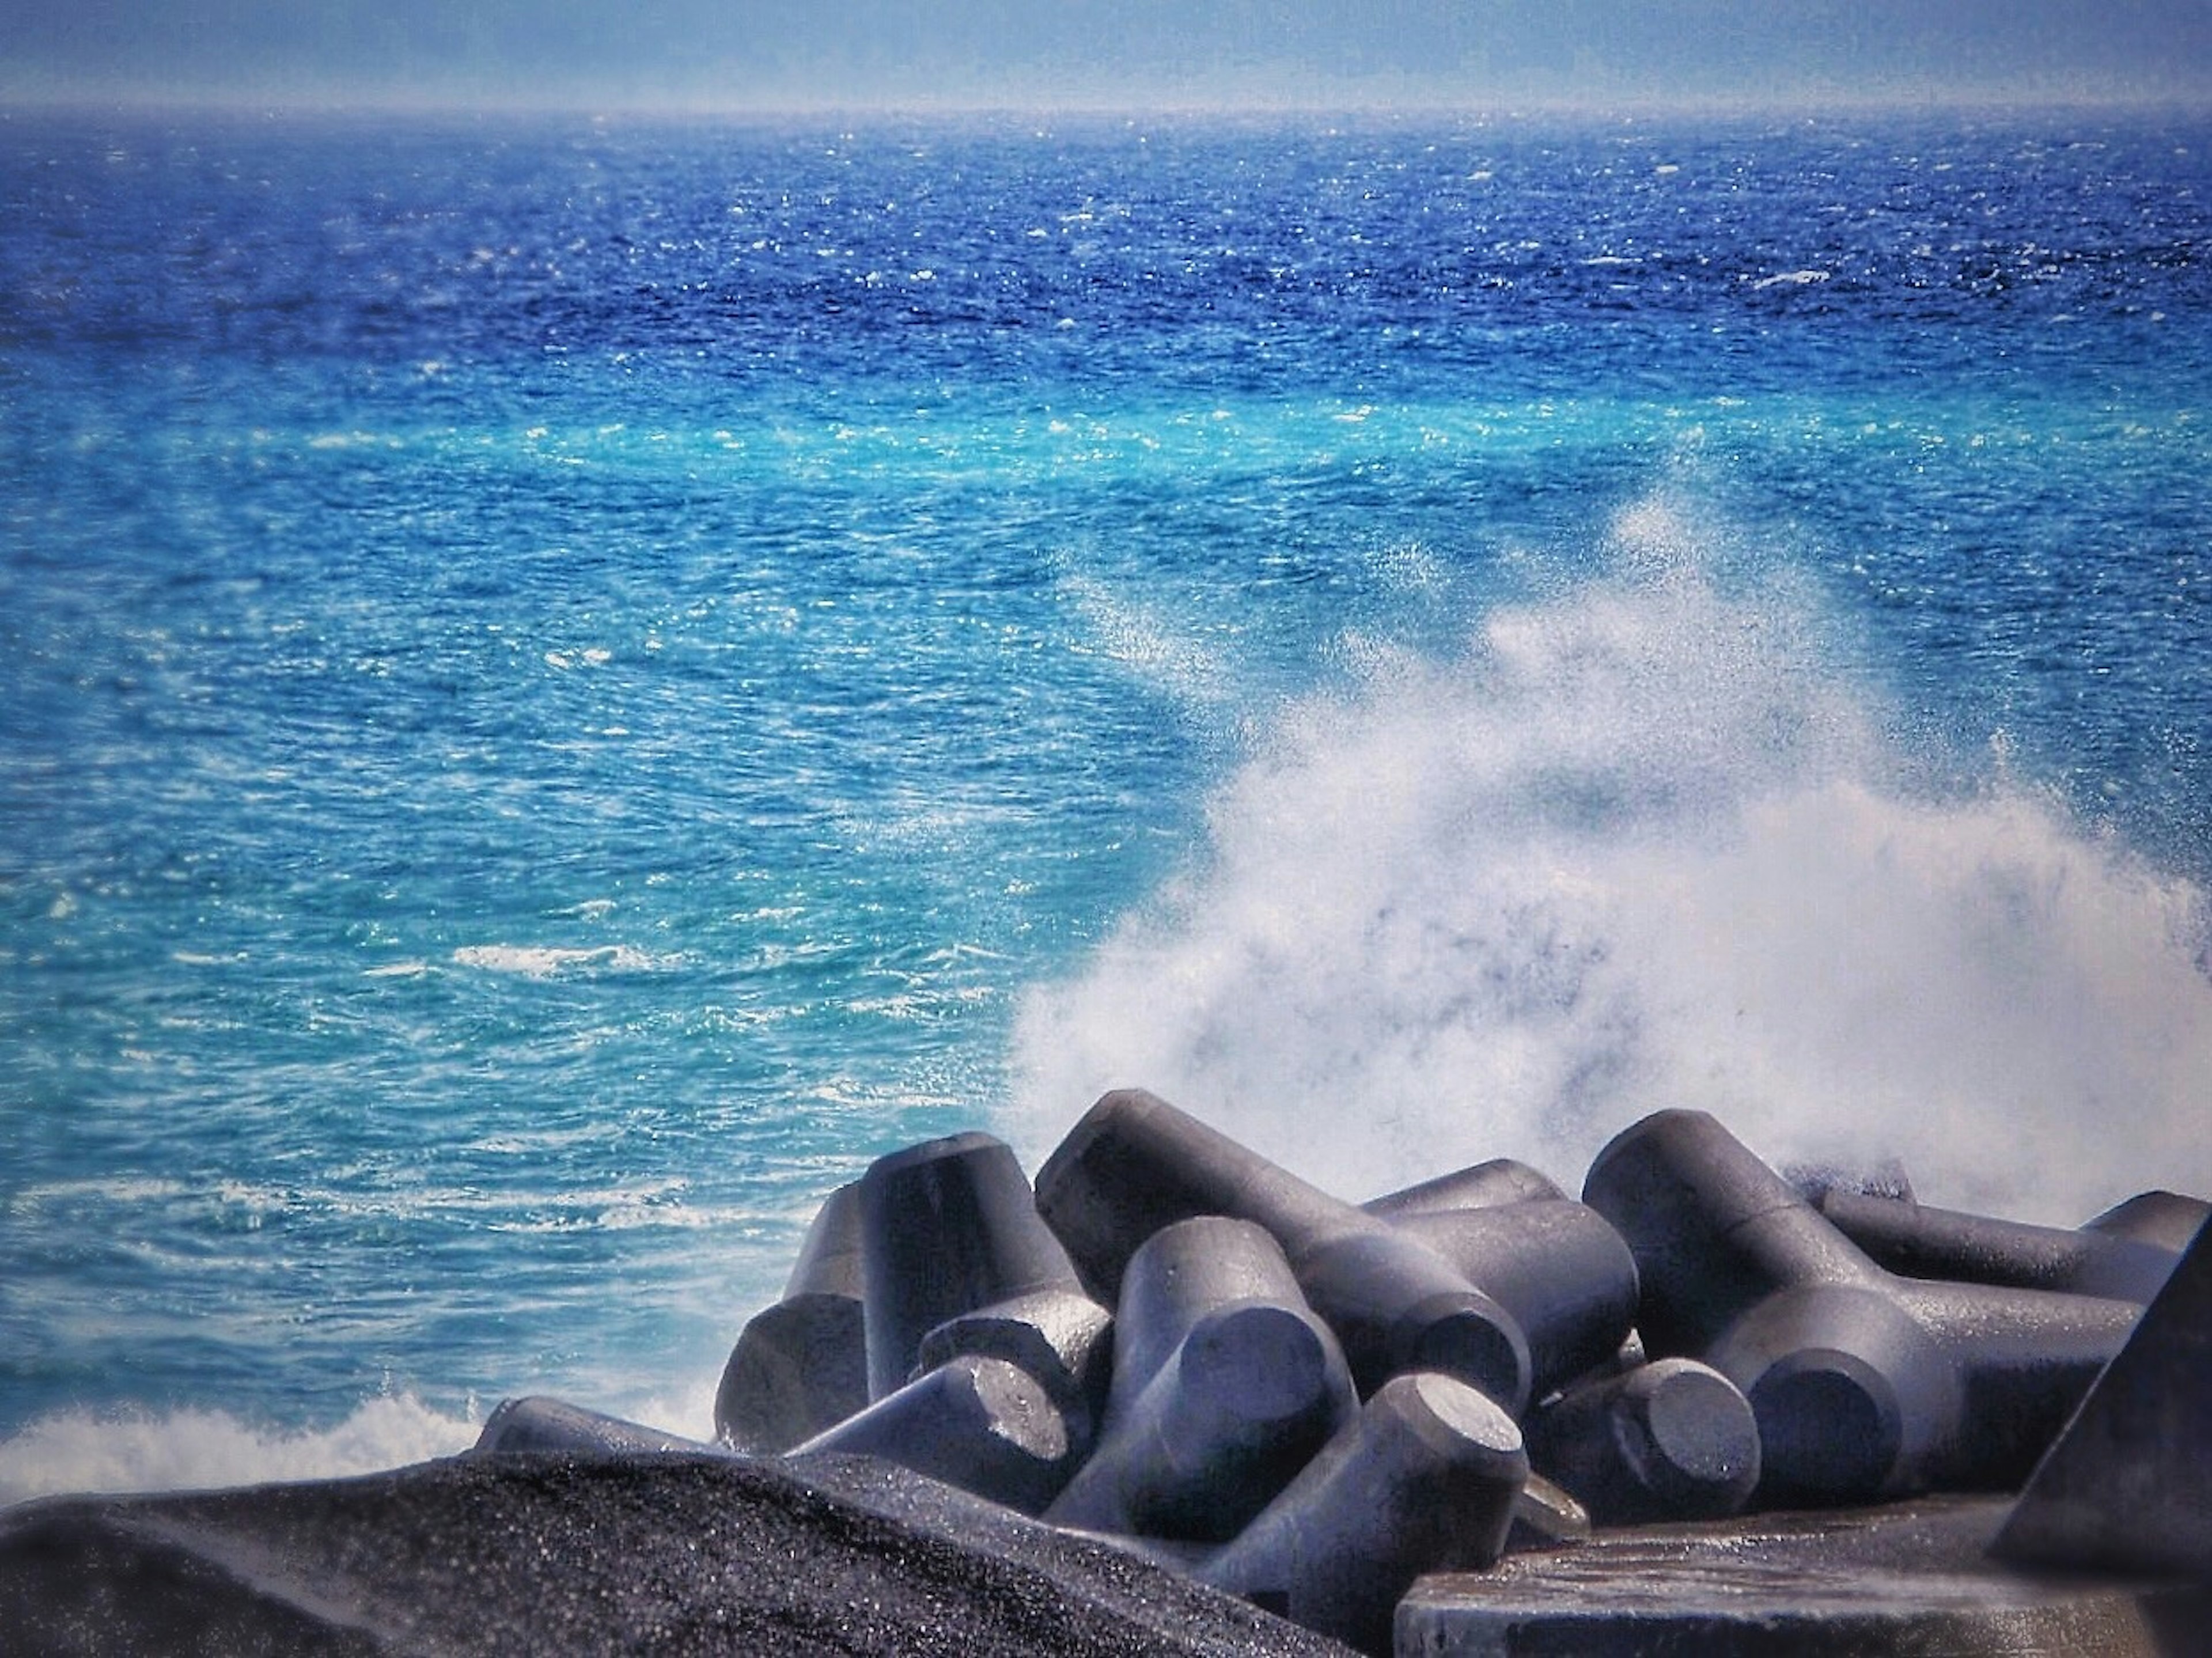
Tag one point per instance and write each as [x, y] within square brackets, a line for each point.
[1642, 845]
[545, 961]
[193, 1450]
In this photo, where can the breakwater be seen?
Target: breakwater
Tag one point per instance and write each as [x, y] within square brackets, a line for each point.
[1314, 1404]
[1170, 1398]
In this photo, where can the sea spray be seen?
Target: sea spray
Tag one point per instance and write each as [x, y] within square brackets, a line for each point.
[1645, 843]
[80, 1450]
[194, 1448]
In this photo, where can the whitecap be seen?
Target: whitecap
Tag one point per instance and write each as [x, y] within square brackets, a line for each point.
[545, 961]
[124, 1189]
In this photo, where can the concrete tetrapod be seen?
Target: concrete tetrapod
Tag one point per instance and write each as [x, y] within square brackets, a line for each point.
[1546, 1516]
[801, 1365]
[1134, 1163]
[1670, 1440]
[2165, 1220]
[1062, 1337]
[536, 1423]
[1424, 1478]
[955, 1259]
[1225, 1385]
[1559, 1269]
[1864, 1384]
[1922, 1240]
[981, 1423]
[1480, 1186]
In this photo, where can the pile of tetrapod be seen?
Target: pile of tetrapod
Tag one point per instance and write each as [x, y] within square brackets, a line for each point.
[1173, 1341]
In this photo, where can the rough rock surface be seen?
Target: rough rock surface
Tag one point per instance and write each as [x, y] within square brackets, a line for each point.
[538, 1553]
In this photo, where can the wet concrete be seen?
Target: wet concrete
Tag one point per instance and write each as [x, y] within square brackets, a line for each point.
[1907, 1580]
[2126, 1486]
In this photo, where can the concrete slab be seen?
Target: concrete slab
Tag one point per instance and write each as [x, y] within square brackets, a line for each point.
[1910, 1580]
[2128, 1484]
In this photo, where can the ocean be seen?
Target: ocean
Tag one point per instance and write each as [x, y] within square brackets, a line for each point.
[565, 684]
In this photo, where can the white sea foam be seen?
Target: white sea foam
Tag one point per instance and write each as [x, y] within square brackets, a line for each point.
[1642, 845]
[84, 1451]
[544, 961]
[80, 1450]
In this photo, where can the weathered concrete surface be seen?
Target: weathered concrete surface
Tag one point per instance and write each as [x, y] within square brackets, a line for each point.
[2128, 1485]
[1673, 1440]
[534, 1554]
[1922, 1240]
[801, 1366]
[537, 1422]
[1559, 1269]
[950, 1227]
[1866, 1385]
[1134, 1163]
[1910, 1580]
[1225, 1383]
[982, 1425]
[1430, 1475]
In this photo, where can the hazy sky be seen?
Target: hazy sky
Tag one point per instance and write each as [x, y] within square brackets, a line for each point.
[777, 53]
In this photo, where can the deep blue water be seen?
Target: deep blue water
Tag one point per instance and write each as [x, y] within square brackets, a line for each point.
[563, 685]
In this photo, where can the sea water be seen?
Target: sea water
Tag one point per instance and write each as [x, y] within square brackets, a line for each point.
[566, 683]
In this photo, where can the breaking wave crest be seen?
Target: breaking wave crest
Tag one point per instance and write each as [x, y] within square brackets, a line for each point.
[1644, 844]
[192, 1449]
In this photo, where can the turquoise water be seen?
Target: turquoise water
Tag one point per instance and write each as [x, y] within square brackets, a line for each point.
[567, 685]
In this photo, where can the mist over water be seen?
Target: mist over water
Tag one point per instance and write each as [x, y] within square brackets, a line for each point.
[1645, 843]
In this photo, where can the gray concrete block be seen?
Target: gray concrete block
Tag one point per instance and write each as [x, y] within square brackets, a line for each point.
[798, 1367]
[801, 1365]
[1911, 1580]
[1134, 1163]
[1671, 1440]
[2128, 1485]
[1559, 1269]
[536, 1423]
[2167, 1220]
[1864, 1384]
[1546, 1516]
[1480, 1186]
[1425, 1478]
[1182, 1274]
[982, 1425]
[947, 1227]
[1225, 1383]
[1060, 1336]
[1922, 1240]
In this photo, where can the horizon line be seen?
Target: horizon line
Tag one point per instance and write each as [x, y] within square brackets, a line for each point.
[1350, 101]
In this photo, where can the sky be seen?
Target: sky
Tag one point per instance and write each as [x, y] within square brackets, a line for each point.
[737, 55]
